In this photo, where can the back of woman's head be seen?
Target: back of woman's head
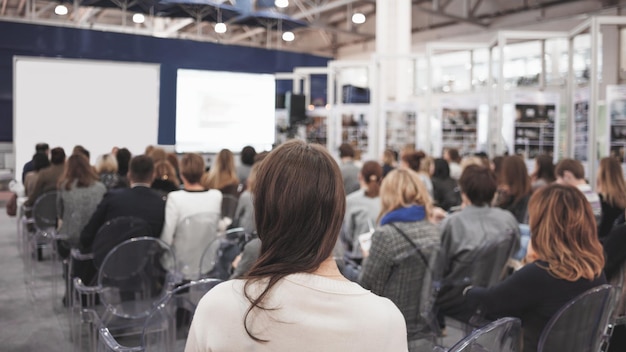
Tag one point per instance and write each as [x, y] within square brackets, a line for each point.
[247, 155]
[564, 234]
[413, 159]
[514, 175]
[611, 182]
[192, 167]
[222, 172]
[372, 174]
[164, 171]
[442, 169]
[123, 156]
[402, 188]
[77, 168]
[545, 168]
[106, 164]
[299, 206]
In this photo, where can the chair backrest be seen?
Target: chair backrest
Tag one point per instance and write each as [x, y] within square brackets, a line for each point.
[618, 280]
[218, 255]
[429, 290]
[45, 212]
[116, 231]
[132, 277]
[580, 324]
[167, 326]
[192, 235]
[488, 263]
[502, 335]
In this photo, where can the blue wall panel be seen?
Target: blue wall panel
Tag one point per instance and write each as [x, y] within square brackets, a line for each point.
[172, 54]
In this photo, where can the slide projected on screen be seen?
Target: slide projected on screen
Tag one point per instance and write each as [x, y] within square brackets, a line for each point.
[217, 110]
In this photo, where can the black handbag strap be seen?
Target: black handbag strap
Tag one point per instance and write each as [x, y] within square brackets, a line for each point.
[415, 246]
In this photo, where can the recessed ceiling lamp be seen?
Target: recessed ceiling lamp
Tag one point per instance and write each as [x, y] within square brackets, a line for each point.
[281, 3]
[61, 10]
[358, 18]
[139, 18]
[288, 36]
[220, 27]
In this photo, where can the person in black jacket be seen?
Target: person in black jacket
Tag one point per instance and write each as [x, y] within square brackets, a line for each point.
[139, 201]
[446, 192]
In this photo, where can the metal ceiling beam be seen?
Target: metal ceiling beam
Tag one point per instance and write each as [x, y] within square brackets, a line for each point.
[4, 7]
[172, 29]
[47, 7]
[472, 21]
[301, 15]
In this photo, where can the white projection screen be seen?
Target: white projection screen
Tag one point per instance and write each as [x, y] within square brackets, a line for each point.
[97, 104]
[217, 110]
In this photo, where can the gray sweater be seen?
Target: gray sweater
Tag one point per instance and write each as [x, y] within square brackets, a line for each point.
[75, 207]
[361, 213]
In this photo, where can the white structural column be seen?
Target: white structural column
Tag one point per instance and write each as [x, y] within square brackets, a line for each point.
[393, 43]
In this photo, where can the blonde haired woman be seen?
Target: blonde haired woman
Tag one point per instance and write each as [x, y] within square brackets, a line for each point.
[612, 191]
[106, 168]
[393, 268]
[165, 179]
[223, 175]
[567, 260]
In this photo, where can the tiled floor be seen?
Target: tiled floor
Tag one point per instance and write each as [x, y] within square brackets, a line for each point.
[31, 316]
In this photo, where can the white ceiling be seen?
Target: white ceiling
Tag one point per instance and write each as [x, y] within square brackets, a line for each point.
[330, 31]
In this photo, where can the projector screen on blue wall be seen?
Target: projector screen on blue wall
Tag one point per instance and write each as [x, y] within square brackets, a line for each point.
[217, 110]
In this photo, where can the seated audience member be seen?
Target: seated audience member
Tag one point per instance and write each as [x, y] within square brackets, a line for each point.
[446, 193]
[466, 231]
[294, 295]
[244, 261]
[172, 158]
[543, 174]
[244, 215]
[412, 160]
[349, 170]
[40, 161]
[612, 192]
[247, 159]
[48, 178]
[106, 168]
[192, 199]
[80, 193]
[571, 172]
[123, 159]
[451, 155]
[165, 179]
[79, 149]
[40, 148]
[222, 175]
[362, 210]
[157, 154]
[139, 201]
[514, 188]
[393, 268]
[390, 160]
[565, 257]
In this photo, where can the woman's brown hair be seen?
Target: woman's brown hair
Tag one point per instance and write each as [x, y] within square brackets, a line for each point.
[222, 172]
[372, 174]
[163, 170]
[299, 205]
[77, 168]
[192, 167]
[514, 175]
[564, 233]
[403, 188]
[611, 182]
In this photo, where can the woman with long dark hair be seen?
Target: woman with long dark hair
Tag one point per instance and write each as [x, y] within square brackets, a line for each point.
[543, 174]
[514, 188]
[294, 297]
[612, 191]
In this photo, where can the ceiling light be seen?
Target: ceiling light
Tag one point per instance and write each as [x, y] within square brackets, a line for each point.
[220, 27]
[281, 3]
[60, 10]
[139, 18]
[288, 36]
[358, 18]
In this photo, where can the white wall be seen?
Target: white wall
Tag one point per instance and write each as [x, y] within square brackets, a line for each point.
[93, 103]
